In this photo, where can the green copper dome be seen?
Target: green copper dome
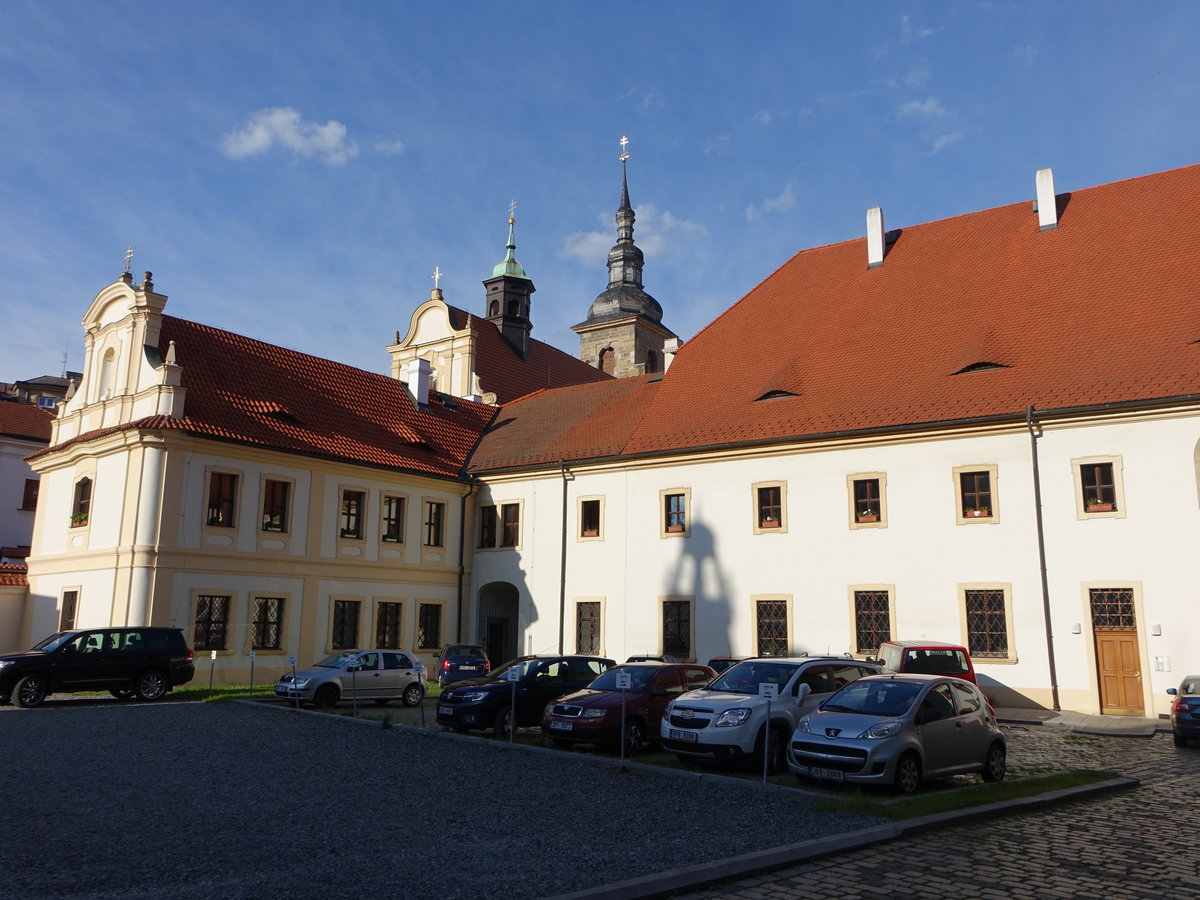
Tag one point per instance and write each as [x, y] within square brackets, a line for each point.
[510, 266]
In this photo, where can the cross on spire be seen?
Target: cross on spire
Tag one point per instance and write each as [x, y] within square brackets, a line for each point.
[436, 276]
[624, 142]
[128, 258]
[512, 211]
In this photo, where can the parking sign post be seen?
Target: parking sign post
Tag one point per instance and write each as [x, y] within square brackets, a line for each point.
[769, 690]
[292, 663]
[624, 682]
[251, 673]
[211, 665]
[354, 685]
[514, 675]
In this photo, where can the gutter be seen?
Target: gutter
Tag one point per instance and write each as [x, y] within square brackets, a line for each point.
[562, 564]
[1035, 431]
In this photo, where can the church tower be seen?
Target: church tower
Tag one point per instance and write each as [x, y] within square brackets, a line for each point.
[623, 333]
[508, 294]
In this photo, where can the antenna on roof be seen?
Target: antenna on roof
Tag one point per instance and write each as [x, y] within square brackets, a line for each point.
[66, 351]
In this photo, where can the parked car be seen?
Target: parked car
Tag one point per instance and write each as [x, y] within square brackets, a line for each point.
[1185, 711]
[481, 703]
[644, 658]
[720, 663]
[899, 730]
[378, 675]
[462, 661]
[593, 715]
[127, 662]
[727, 720]
[927, 658]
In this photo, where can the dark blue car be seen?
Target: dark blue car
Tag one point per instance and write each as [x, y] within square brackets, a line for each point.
[1185, 711]
[460, 661]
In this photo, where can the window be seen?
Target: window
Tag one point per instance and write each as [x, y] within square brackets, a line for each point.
[866, 500]
[222, 499]
[1112, 609]
[977, 498]
[1098, 489]
[267, 625]
[487, 526]
[510, 525]
[387, 626]
[393, 520]
[677, 629]
[275, 505]
[987, 623]
[771, 618]
[587, 627]
[212, 618]
[353, 503]
[768, 504]
[435, 513]
[81, 505]
[70, 606]
[872, 620]
[45, 402]
[29, 497]
[608, 361]
[674, 504]
[429, 626]
[345, 624]
[589, 518]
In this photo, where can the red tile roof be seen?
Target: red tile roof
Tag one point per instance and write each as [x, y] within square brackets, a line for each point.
[250, 392]
[25, 421]
[1102, 310]
[14, 575]
[503, 372]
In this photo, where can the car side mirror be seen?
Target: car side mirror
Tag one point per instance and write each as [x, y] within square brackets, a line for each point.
[1172, 691]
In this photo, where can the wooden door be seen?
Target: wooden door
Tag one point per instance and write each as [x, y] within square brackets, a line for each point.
[1120, 673]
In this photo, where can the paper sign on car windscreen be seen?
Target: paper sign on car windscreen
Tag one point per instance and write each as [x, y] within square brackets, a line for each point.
[768, 689]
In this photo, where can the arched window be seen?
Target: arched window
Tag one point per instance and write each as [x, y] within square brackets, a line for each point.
[494, 308]
[514, 308]
[608, 361]
[108, 374]
[651, 361]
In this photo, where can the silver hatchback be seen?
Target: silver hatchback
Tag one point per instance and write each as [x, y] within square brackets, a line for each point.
[898, 730]
[378, 675]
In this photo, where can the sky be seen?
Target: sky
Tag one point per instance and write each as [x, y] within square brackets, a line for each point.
[295, 171]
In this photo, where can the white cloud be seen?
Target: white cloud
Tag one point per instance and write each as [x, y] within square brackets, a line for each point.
[910, 32]
[917, 76]
[945, 140]
[283, 125]
[922, 109]
[763, 117]
[655, 232]
[391, 148]
[781, 203]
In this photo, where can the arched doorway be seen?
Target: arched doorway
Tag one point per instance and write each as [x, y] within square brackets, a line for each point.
[498, 602]
[608, 361]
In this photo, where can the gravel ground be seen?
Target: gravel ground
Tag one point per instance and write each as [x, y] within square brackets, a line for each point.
[181, 799]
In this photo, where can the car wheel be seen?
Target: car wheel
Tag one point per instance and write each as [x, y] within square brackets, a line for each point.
[908, 774]
[503, 723]
[993, 763]
[326, 697]
[776, 752]
[122, 693]
[1180, 740]
[30, 691]
[635, 737]
[151, 685]
[413, 694]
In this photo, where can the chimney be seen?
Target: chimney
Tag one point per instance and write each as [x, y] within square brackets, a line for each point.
[419, 371]
[670, 348]
[1046, 205]
[874, 237]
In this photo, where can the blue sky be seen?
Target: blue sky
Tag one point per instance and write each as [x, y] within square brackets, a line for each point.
[294, 171]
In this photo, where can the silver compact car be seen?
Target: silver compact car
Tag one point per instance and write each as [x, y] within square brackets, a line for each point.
[378, 675]
[898, 730]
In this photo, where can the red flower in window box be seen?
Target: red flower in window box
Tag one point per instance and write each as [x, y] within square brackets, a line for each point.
[590, 532]
[674, 529]
[867, 515]
[769, 523]
[1097, 506]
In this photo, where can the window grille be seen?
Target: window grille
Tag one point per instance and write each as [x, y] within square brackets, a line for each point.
[772, 628]
[1112, 609]
[267, 625]
[587, 627]
[872, 620]
[212, 617]
[677, 629]
[345, 624]
[987, 624]
[387, 626]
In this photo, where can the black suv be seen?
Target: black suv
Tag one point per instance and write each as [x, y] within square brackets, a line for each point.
[127, 662]
[488, 702]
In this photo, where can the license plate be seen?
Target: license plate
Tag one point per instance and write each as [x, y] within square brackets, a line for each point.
[689, 736]
[468, 668]
[281, 691]
[561, 726]
[445, 710]
[826, 774]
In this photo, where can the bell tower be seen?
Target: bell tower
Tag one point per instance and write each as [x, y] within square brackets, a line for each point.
[508, 294]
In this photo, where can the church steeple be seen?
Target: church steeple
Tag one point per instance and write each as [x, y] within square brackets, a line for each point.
[623, 333]
[508, 293]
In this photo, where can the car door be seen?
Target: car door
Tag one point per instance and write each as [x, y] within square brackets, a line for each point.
[667, 686]
[398, 673]
[975, 735]
[70, 663]
[367, 682]
[97, 665]
[939, 728]
[550, 679]
[820, 685]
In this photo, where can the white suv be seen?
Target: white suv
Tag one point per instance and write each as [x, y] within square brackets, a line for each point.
[727, 719]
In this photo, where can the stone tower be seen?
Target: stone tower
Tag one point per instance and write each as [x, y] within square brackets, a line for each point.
[508, 295]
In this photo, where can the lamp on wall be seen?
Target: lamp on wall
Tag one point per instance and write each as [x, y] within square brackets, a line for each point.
[1076, 628]
[1156, 629]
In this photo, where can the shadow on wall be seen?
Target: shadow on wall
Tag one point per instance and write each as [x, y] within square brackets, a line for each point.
[696, 574]
[1000, 694]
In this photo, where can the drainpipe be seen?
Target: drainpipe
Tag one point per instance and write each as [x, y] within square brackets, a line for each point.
[562, 564]
[462, 551]
[1034, 433]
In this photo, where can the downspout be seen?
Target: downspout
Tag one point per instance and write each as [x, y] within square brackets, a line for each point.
[1034, 433]
[462, 552]
[562, 563]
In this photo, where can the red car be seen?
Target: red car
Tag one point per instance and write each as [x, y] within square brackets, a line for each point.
[593, 715]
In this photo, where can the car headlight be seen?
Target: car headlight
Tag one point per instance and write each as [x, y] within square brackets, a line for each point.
[300, 683]
[594, 713]
[805, 725]
[732, 717]
[473, 697]
[881, 730]
[5, 662]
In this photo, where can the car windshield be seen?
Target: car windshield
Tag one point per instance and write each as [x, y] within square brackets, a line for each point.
[464, 651]
[54, 641]
[524, 666]
[874, 698]
[1191, 685]
[336, 660]
[745, 677]
[639, 677]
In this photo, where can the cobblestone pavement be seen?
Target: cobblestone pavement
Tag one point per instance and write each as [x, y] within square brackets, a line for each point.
[1140, 843]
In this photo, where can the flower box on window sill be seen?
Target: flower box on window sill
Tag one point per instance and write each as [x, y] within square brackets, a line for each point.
[674, 529]
[390, 539]
[78, 520]
[350, 533]
[590, 532]
[867, 517]
[769, 523]
[218, 522]
[1099, 507]
[977, 513]
[272, 526]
